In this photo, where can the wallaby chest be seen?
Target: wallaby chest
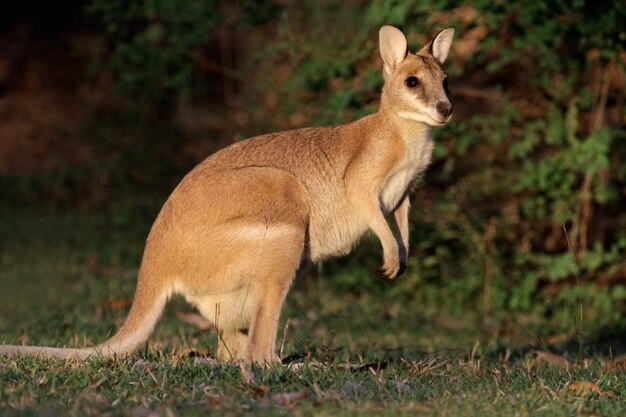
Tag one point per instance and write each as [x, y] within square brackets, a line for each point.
[403, 174]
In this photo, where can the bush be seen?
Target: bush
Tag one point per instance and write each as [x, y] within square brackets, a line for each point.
[153, 44]
[522, 207]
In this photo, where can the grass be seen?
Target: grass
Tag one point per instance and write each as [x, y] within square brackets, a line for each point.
[67, 279]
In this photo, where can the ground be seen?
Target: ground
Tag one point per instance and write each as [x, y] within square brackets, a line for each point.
[68, 278]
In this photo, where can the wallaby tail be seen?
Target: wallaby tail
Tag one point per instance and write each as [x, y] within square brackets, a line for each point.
[144, 313]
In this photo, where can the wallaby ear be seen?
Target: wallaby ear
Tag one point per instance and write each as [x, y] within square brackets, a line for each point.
[440, 46]
[393, 48]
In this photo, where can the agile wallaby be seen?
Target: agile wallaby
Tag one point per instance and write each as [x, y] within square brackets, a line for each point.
[233, 234]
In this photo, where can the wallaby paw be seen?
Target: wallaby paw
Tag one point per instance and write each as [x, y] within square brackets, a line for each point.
[391, 271]
[387, 274]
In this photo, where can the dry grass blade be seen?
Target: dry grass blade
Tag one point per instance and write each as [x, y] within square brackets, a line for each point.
[426, 366]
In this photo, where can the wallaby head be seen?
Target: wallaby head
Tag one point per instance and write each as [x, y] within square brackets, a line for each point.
[416, 86]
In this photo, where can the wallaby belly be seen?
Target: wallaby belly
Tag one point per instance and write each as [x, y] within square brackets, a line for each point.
[334, 228]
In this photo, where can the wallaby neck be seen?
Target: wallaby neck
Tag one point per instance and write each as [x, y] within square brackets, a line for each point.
[409, 130]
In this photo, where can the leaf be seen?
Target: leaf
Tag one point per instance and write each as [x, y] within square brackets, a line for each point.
[204, 361]
[417, 407]
[551, 358]
[584, 388]
[139, 363]
[117, 304]
[401, 386]
[261, 391]
[309, 363]
[143, 412]
[352, 385]
[615, 365]
[215, 400]
[288, 398]
[556, 339]
[195, 319]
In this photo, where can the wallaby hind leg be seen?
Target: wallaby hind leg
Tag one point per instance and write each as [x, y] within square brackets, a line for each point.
[276, 271]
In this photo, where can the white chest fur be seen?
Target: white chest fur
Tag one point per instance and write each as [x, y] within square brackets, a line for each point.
[417, 155]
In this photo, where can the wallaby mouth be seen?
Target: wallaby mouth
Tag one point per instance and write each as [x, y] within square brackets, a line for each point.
[444, 112]
[440, 120]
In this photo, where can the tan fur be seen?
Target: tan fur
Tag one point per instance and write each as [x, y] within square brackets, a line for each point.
[235, 231]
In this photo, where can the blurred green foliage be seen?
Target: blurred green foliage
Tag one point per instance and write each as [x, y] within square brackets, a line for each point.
[523, 207]
[153, 43]
[521, 211]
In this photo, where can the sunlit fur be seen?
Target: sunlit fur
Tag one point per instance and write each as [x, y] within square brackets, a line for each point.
[233, 234]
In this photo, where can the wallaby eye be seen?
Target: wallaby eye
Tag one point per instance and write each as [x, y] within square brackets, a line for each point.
[445, 84]
[412, 82]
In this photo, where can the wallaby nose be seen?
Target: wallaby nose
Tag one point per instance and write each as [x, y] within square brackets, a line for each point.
[444, 108]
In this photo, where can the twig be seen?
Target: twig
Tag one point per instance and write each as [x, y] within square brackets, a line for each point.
[578, 329]
[584, 209]
[282, 343]
[489, 236]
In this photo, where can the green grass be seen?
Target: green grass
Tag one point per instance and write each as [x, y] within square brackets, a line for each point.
[66, 280]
